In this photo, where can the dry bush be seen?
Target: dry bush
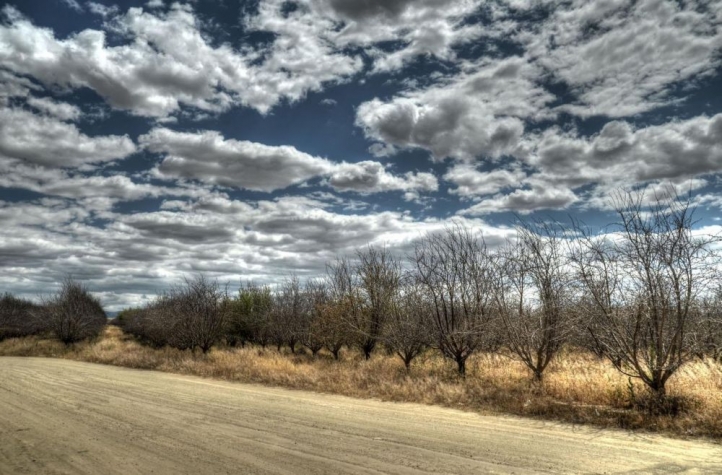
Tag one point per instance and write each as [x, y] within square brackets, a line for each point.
[313, 334]
[331, 326]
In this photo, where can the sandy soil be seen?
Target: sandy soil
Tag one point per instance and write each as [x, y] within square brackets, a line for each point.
[61, 416]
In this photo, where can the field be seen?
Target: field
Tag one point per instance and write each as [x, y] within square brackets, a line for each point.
[578, 388]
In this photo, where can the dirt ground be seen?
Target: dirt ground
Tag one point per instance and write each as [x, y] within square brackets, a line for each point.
[59, 416]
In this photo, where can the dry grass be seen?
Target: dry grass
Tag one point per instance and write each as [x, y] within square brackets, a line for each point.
[579, 388]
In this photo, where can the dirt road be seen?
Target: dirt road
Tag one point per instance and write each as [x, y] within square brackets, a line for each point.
[68, 417]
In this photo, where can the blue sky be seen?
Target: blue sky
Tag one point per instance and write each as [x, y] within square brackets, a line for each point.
[144, 141]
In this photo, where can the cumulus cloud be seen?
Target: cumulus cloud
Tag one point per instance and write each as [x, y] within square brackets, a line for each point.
[470, 181]
[49, 142]
[622, 153]
[477, 114]
[525, 200]
[621, 57]
[167, 62]
[419, 27]
[208, 157]
[102, 10]
[372, 177]
[677, 154]
[59, 110]
[96, 192]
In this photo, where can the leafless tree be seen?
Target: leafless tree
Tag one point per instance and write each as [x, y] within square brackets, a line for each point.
[313, 336]
[73, 314]
[196, 318]
[645, 284]
[711, 328]
[407, 332]
[533, 297]
[289, 313]
[18, 317]
[346, 306]
[455, 270]
[333, 327]
[379, 275]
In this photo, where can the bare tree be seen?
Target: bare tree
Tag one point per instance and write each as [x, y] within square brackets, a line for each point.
[645, 285]
[18, 317]
[289, 313]
[455, 270]
[313, 336]
[711, 327]
[533, 295]
[346, 306]
[197, 317]
[379, 275]
[333, 329]
[73, 314]
[407, 332]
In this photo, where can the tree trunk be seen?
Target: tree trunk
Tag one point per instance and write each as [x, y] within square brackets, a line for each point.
[461, 363]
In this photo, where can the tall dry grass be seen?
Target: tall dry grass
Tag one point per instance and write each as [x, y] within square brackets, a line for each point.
[577, 388]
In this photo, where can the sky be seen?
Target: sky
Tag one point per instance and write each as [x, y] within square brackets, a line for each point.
[145, 141]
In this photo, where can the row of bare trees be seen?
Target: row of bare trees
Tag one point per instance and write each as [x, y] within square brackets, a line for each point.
[70, 315]
[641, 295]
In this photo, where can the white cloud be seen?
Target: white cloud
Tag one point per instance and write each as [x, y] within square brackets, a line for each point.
[419, 27]
[479, 113]
[50, 142]
[59, 110]
[102, 10]
[372, 177]
[167, 62]
[96, 192]
[471, 182]
[622, 154]
[210, 158]
[524, 201]
[73, 5]
[621, 57]
[677, 154]
[12, 86]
